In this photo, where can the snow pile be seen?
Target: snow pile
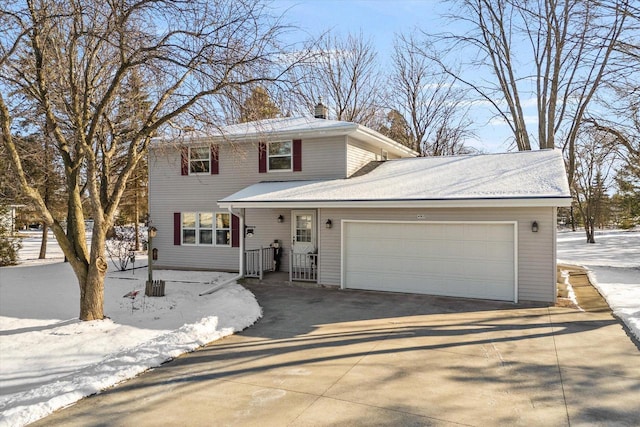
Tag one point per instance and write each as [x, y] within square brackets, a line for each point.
[50, 359]
[614, 268]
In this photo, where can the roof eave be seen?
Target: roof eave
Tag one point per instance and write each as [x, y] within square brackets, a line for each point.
[388, 142]
[560, 201]
[262, 136]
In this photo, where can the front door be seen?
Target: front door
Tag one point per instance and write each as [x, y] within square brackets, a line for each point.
[303, 232]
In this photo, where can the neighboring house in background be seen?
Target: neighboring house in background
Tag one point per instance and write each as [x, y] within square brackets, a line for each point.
[352, 208]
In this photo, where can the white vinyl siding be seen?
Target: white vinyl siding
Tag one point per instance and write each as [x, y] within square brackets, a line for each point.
[358, 155]
[536, 259]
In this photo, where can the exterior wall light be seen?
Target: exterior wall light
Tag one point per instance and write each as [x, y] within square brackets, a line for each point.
[534, 226]
[328, 224]
[280, 218]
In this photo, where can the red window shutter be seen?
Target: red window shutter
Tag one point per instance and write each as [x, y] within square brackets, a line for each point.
[215, 163]
[235, 231]
[177, 232]
[262, 157]
[297, 155]
[184, 160]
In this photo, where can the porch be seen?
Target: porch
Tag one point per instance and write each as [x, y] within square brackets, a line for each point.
[303, 267]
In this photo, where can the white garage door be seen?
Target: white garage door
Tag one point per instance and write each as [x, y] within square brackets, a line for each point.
[474, 260]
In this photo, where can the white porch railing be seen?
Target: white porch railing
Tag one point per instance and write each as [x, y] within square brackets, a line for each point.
[303, 267]
[258, 261]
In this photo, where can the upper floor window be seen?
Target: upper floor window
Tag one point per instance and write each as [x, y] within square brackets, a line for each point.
[199, 160]
[279, 156]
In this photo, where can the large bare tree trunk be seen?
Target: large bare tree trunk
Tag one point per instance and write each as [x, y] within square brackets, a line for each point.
[92, 287]
[92, 295]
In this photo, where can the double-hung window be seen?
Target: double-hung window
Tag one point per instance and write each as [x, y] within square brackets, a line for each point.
[223, 229]
[197, 228]
[199, 160]
[280, 156]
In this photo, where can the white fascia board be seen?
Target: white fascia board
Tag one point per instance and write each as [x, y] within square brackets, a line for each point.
[256, 137]
[459, 203]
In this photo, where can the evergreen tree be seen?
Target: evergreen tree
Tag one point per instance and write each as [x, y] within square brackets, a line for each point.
[396, 127]
[628, 195]
[258, 106]
[9, 246]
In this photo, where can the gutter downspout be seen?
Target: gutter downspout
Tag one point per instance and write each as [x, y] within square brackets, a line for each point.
[240, 275]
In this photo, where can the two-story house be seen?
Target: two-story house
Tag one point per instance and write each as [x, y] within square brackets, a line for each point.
[349, 207]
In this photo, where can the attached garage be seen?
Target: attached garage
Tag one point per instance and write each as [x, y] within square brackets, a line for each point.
[461, 259]
[468, 226]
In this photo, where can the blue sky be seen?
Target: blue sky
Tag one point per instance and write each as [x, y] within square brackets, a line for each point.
[379, 20]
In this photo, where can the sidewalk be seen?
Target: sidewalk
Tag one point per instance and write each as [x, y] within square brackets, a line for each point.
[588, 297]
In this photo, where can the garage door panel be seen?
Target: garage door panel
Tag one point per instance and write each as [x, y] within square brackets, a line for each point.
[473, 232]
[456, 259]
[474, 250]
[500, 234]
[499, 251]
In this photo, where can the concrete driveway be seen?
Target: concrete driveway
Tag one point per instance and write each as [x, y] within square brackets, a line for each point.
[328, 357]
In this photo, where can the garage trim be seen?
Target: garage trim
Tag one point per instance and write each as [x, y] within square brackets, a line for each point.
[514, 224]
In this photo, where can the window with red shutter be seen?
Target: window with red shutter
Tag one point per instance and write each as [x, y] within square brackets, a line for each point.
[262, 157]
[215, 160]
[297, 155]
[177, 229]
[184, 160]
[235, 231]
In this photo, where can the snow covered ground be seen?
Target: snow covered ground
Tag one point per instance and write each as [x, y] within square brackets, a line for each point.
[49, 359]
[614, 265]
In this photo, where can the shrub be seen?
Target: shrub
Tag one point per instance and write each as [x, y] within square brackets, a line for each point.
[121, 243]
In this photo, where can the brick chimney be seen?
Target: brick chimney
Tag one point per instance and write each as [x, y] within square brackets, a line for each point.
[321, 111]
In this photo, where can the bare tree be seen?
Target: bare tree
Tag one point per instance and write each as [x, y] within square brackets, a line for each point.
[430, 100]
[72, 62]
[45, 174]
[556, 53]
[596, 158]
[619, 106]
[345, 74]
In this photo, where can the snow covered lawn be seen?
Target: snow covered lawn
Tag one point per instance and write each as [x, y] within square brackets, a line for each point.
[614, 265]
[49, 359]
